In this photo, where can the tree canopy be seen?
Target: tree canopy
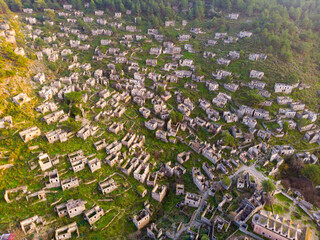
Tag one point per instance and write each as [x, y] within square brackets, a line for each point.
[312, 172]
[176, 116]
[226, 180]
[3, 7]
[285, 126]
[268, 186]
[227, 138]
[73, 97]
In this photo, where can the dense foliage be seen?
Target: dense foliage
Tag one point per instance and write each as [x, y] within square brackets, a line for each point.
[268, 186]
[227, 138]
[285, 26]
[10, 62]
[226, 181]
[313, 173]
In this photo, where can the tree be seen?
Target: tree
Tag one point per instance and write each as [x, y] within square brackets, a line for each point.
[196, 46]
[176, 116]
[71, 125]
[92, 6]
[50, 15]
[286, 53]
[184, 4]
[249, 10]
[137, 8]
[254, 96]
[39, 42]
[83, 25]
[293, 78]
[241, 54]
[154, 22]
[285, 126]
[268, 186]
[170, 35]
[52, 4]
[40, 4]
[3, 7]
[270, 49]
[160, 90]
[240, 5]
[15, 5]
[305, 22]
[226, 181]
[198, 9]
[204, 237]
[73, 97]
[76, 4]
[312, 172]
[228, 138]
[224, 4]
[75, 111]
[295, 13]
[138, 21]
[303, 122]
[198, 71]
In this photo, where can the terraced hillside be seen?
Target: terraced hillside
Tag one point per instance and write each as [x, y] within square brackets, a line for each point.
[164, 120]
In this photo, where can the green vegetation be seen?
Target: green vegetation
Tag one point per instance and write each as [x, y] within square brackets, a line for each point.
[176, 116]
[268, 186]
[3, 7]
[73, 97]
[285, 126]
[227, 138]
[254, 96]
[312, 172]
[226, 181]
[141, 189]
[71, 125]
[303, 122]
[283, 198]
[278, 209]
[286, 30]
[10, 62]
[205, 237]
